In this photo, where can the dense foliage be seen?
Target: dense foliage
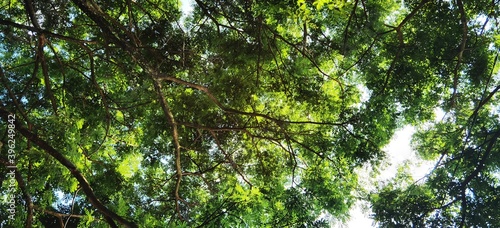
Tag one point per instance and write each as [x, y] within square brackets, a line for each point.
[245, 113]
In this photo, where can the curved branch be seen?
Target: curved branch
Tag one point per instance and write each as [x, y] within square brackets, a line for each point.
[170, 117]
[109, 215]
[91, 9]
[212, 97]
[61, 215]
[43, 31]
[40, 58]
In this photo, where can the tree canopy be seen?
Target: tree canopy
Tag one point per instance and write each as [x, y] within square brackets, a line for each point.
[245, 113]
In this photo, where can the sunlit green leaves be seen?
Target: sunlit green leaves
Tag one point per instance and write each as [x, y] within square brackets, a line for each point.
[129, 165]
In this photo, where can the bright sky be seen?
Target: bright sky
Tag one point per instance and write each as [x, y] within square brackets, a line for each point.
[398, 151]
[186, 6]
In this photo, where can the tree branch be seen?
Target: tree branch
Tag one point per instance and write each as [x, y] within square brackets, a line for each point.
[40, 58]
[109, 215]
[43, 31]
[170, 118]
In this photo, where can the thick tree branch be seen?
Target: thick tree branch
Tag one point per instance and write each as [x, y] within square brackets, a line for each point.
[30, 10]
[61, 216]
[170, 118]
[109, 215]
[92, 10]
[43, 31]
[40, 59]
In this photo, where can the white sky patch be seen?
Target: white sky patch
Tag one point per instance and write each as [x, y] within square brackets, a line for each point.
[359, 217]
[398, 151]
[365, 93]
[440, 114]
[186, 7]
[63, 199]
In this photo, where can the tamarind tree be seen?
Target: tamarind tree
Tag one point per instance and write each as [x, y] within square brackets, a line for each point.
[246, 113]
